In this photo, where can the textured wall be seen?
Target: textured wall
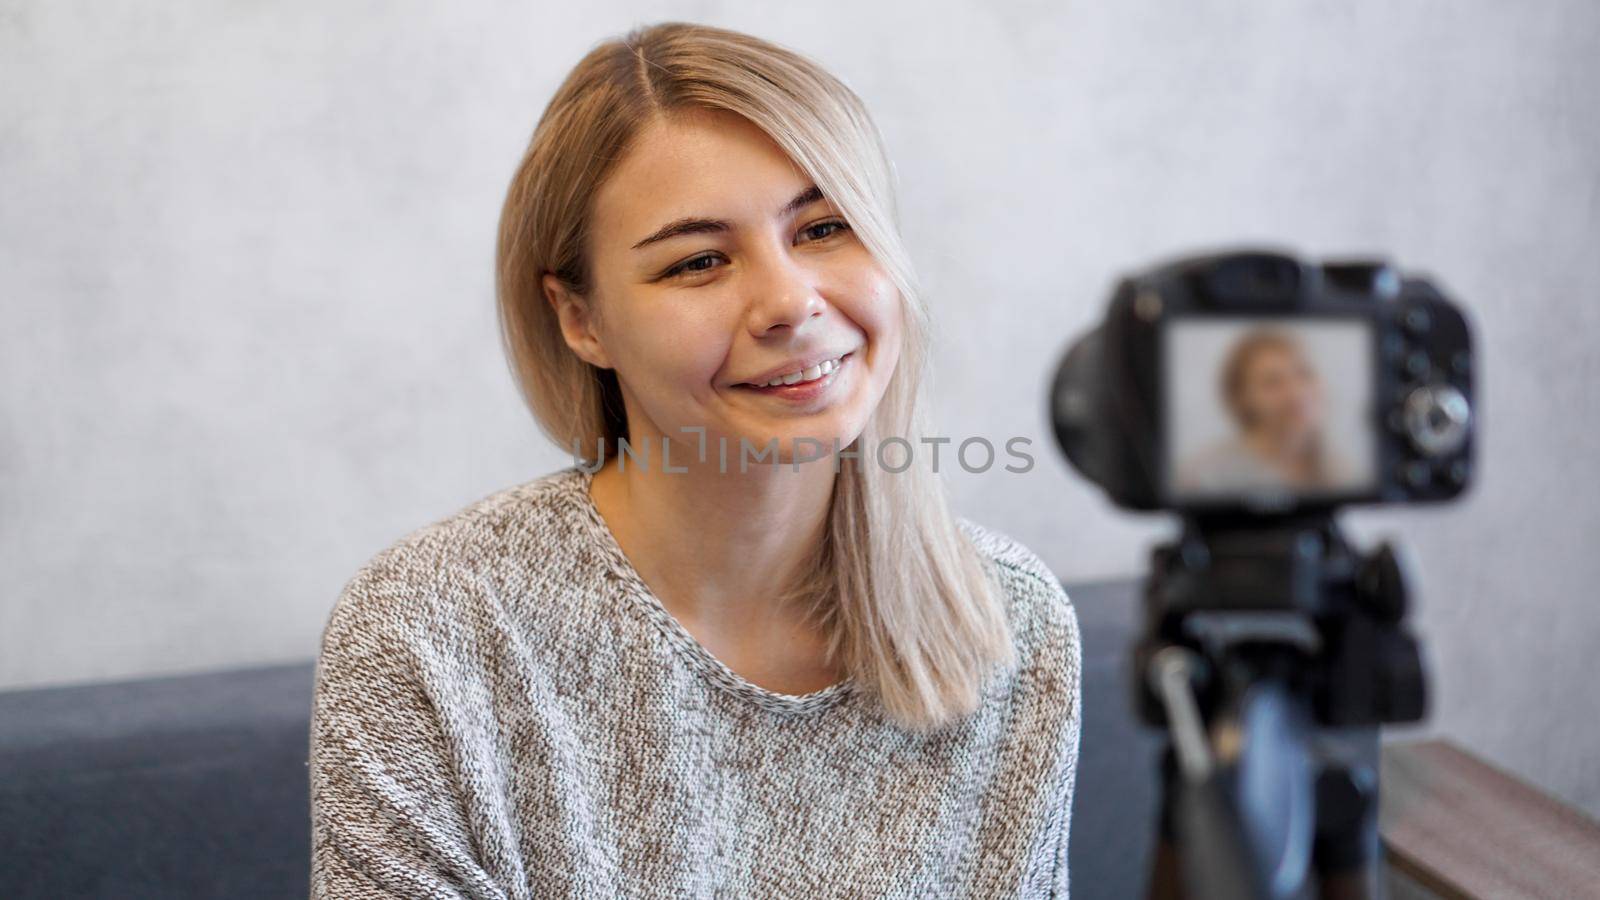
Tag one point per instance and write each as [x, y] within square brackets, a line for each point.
[248, 336]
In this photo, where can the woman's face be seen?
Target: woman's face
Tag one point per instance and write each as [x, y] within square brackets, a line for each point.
[717, 268]
[1281, 395]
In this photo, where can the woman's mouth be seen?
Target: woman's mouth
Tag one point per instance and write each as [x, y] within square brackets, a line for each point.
[803, 384]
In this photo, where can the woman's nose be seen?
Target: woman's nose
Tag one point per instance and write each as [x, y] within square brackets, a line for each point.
[782, 296]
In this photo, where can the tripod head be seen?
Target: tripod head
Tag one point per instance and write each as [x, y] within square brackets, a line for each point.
[1261, 638]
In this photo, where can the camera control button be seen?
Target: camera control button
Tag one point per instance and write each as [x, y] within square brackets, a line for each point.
[1416, 320]
[1416, 474]
[1437, 417]
[1394, 346]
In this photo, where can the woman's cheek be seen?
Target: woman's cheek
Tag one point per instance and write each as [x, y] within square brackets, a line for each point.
[695, 362]
[890, 324]
[872, 303]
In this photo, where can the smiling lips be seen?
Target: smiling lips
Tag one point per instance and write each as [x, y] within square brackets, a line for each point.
[814, 372]
[802, 385]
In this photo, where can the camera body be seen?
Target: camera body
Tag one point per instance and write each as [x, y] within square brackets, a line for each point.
[1251, 383]
[1254, 394]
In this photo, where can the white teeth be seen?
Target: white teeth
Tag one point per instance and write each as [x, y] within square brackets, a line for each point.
[812, 374]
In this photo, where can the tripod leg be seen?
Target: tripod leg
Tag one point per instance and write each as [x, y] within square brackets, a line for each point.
[1166, 880]
[1166, 869]
[1347, 853]
[1361, 884]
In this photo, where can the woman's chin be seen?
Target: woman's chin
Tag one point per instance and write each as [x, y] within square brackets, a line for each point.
[804, 438]
[793, 449]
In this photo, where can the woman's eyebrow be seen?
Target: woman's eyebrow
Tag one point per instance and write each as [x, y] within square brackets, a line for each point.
[693, 225]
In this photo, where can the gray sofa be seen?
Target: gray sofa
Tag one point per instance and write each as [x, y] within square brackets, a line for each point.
[197, 786]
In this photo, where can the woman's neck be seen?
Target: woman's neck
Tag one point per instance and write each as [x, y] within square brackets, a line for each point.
[1294, 456]
[717, 546]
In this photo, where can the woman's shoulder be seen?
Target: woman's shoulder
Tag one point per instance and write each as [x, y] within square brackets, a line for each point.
[1010, 555]
[516, 534]
[1035, 594]
[1044, 623]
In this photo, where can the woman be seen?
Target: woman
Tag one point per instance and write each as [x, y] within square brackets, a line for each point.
[671, 674]
[1275, 398]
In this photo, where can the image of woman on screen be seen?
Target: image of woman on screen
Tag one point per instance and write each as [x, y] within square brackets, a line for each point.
[1273, 394]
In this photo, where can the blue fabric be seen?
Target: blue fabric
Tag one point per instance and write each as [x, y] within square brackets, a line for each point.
[1117, 799]
[169, 788]
[196, 786]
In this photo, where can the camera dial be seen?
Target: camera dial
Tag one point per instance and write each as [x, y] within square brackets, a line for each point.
[1437, 417]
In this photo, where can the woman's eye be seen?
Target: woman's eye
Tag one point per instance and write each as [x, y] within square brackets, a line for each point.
[700, 263]
[823, 230]
[708, 261]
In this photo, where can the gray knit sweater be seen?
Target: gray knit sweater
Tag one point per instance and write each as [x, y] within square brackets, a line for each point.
[503, 709]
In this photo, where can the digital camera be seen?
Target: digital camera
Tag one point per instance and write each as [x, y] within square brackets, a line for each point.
[1253, 383]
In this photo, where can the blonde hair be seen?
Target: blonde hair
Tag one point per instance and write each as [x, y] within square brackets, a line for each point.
[1243, 354]
[909, 606]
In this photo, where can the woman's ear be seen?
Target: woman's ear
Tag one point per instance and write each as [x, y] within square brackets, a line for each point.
[577, 321]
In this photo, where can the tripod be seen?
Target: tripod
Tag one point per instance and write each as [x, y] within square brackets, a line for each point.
[1271, 652]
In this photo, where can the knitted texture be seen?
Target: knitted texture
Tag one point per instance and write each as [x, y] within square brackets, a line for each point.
[503, 709]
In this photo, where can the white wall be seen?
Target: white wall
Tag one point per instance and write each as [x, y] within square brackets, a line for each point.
[248, 335]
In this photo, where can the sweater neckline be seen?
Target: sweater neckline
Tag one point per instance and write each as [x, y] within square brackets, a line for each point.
[686, 645]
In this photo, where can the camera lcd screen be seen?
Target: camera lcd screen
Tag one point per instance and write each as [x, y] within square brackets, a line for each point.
[1263, 409]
